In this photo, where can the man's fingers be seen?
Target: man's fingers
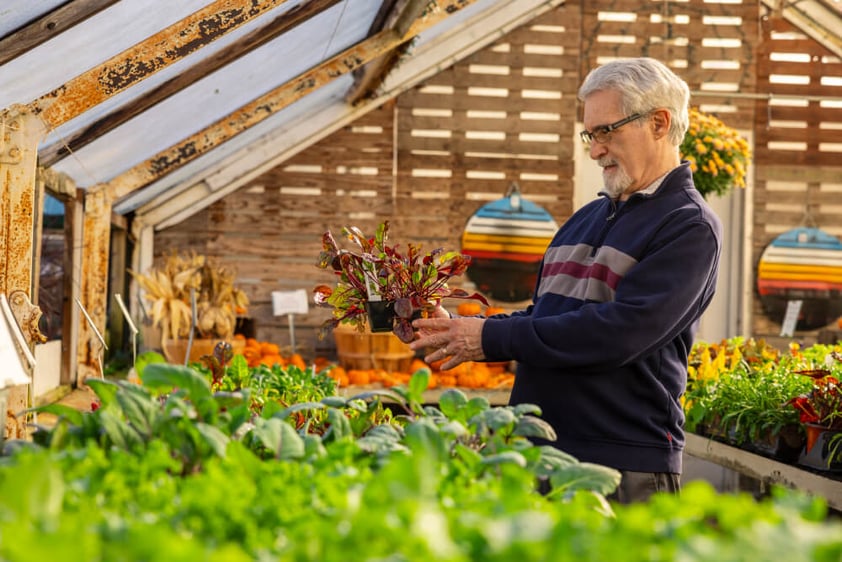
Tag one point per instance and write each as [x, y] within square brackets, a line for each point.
[433, 324]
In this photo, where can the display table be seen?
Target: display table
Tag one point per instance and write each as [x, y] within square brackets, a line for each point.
[766, 470]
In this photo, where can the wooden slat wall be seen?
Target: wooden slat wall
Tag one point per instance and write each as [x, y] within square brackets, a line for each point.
[429, 159]
[709, 44]
[798, 143]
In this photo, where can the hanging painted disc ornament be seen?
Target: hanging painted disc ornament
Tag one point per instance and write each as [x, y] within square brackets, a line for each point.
[506, 240]
[802, 264]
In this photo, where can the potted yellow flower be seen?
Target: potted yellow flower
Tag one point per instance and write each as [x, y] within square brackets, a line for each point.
[718, 155]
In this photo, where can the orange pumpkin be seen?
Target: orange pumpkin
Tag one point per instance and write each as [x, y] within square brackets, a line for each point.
[469, 309]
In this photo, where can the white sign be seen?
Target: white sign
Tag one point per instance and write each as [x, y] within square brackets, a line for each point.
[289, 302]
[793, 309]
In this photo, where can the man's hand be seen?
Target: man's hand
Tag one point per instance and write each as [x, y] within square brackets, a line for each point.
[459, 339]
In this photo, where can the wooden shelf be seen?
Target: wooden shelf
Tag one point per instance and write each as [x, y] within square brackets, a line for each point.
[766, 470]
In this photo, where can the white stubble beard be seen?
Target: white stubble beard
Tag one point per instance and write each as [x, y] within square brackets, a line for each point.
[618, 182]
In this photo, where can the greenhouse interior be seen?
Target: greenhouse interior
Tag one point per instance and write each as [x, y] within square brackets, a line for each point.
[271, 274]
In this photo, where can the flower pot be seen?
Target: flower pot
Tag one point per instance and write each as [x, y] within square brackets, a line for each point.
[823, 450]
[175, 350]
[784, 445]
[381, 315]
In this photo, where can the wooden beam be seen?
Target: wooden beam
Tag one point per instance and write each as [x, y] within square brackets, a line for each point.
[48, 26]
[96, 236]
[51, 154]
[369, 78]
[268, 104]
[146, 58]
[180, 202]
[817, 20]
[70, 322]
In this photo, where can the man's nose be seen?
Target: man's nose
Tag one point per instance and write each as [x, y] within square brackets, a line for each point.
[597, 150]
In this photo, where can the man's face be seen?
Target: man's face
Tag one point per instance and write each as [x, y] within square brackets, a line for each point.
[624, 158]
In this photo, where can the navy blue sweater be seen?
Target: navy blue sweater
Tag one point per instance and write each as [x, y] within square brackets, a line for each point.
[603, 348]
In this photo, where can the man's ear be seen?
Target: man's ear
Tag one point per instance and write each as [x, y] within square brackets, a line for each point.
[660, 122]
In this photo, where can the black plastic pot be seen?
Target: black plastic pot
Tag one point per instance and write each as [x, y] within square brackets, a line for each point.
[381, 315]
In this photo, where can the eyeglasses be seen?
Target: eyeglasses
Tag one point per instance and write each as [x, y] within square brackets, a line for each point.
[602, 134]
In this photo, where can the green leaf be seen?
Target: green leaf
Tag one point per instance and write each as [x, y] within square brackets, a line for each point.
[105, 390]
[385, 430]
[118, 431]
[523, 409]
[280, 438]
[530, 426]
[238, 369]
[228, 400]
[454, 429]
[585, 476]
[164, 376]
[557, 457]
[141, 410]
[418, 384]
[422, 435]
[214, 437]
[285, 413]
[451, 403]
[69, 413]
[33, 492]
[390, 394]
[469, 456]
[499, 418]
[340, 426]
[381, 438]
[476, 405]
[313, 447]
[506, 457]
[334, 401]
[147, 358]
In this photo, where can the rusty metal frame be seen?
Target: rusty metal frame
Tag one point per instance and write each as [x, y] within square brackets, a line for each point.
[20, 132]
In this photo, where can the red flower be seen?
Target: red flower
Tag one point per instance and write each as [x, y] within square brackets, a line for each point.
[94, 406]
[823, 404]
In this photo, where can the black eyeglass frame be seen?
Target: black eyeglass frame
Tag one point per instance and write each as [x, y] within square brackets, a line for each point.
[602, 133]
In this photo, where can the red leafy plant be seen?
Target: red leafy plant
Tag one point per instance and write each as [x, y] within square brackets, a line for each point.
[823, 404]
[374, 271]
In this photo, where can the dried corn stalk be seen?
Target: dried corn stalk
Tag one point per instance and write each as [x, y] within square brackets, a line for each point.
[217, 300]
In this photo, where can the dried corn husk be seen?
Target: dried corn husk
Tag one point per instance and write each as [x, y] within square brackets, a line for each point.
[168, 289]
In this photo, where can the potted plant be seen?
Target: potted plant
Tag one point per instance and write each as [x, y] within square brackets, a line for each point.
[381, 286]
[168, 289]
[738, 392]
[717, 153]
[820, 411]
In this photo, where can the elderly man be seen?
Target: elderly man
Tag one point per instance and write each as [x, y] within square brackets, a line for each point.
[603, 347]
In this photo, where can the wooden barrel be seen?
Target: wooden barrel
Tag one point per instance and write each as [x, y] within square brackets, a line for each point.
[366, 350]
